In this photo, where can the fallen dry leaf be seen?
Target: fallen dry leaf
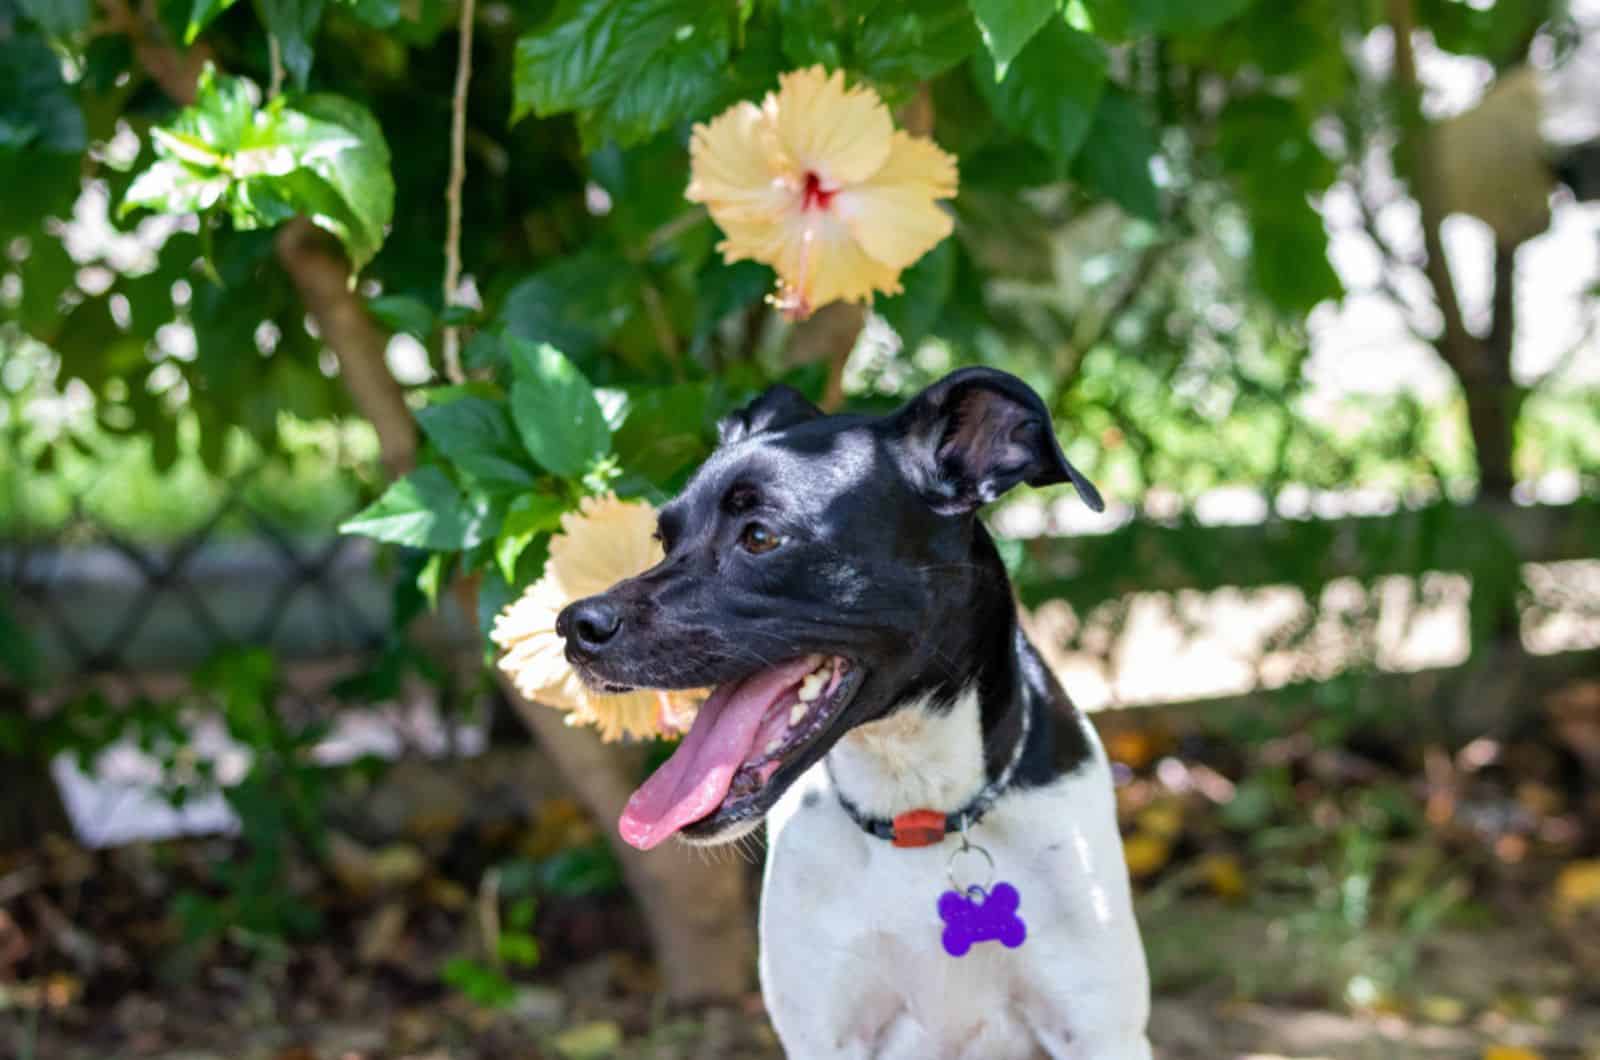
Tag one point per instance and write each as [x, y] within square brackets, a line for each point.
[1224, 876]
[1577, 887]
[1510, 1052]
[1145, 854]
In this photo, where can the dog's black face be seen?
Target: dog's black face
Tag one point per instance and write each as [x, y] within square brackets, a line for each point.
[819, 571]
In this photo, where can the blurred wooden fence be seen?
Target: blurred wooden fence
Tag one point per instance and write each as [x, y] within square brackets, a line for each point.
[114, 607]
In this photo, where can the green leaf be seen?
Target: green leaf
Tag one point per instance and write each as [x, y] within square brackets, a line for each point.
[529, 516]
[913, 41]
[1183, 16]
[1115, 160]
[340, 142]
[379, 14]
[58, 18]
[476, 435]
[1008, 25]
[169, 186]
[200, 16]
[721, 288]
[403, 313]
[1051, 90]
[926, 286]
[322, 156]
[576, 305]
[555, 411]
[293, 24]
[423, 510]
[638, 65]
[494, 593]
[680, 78]
[223, 112]
[1289, 256]
[37, 108]
[667, 430]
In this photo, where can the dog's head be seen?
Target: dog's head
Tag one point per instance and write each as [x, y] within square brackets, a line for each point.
[819, 571]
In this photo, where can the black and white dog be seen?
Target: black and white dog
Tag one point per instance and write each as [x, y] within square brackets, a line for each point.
[944, 877]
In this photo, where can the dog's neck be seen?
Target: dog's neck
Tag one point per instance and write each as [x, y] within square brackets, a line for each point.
[932, 752]
[961, 721]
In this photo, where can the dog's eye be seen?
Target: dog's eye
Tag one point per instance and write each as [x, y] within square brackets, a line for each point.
[757, 539]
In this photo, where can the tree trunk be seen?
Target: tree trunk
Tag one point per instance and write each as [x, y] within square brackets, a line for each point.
[697, 910]
[30, 804]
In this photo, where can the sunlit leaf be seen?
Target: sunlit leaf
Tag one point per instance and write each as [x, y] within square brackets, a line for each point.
[554, 408]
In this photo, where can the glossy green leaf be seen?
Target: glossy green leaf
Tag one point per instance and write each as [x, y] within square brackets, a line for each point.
[925, 287]
[576, 304]
[293, 24]
[403, 313]
[37, 108]
[1008, 25]
[637, 66]
[322, 156]
[1051, 90]
[423, 510]
[340, 142]
[903, 44]
[201, 15]
[529, 516]
[554, 408]
[169, 186]
[667, 430]
[58, 18]
[1183, 16]
[476, 435]
[1115, 160]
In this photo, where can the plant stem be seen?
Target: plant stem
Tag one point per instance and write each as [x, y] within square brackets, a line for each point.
[452, 193]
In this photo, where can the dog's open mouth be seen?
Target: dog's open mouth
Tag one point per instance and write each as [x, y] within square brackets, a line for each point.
[746, 731]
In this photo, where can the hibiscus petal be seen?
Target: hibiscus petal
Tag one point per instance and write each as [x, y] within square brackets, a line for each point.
[738, 168]
[602, 543]
[840, 134]
[895, 216]
[820, 262]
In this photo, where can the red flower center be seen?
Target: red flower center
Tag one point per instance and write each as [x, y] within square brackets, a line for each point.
[816, 196]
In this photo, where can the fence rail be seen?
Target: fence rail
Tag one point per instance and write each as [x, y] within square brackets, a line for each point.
[114, 607]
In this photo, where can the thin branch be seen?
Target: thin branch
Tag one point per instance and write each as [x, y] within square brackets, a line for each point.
[275, 59]
[176, 70]
[318, 271]
[1456, 345]
[452, 194]
[1091, 331]
[320, 275]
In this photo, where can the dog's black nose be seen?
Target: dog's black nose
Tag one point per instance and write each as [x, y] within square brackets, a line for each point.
[590, 624]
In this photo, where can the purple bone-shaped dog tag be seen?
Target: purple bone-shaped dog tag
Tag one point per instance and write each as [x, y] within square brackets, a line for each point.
[979, 917]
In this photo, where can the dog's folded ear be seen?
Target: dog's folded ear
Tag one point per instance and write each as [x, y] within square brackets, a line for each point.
[975, 434]
[781, 406]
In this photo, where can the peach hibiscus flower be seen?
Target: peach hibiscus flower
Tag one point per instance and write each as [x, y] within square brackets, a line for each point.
[818, 183]
[603, 542]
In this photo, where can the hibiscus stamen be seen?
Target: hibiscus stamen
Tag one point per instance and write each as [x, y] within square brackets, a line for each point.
[815, 195]
[791, 299]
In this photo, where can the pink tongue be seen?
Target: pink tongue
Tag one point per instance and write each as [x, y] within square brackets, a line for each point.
[695, 780]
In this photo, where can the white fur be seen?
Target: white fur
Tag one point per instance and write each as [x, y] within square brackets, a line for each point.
[851, 960]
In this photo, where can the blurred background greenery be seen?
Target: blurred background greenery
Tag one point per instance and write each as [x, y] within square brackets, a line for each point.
[1311, 287]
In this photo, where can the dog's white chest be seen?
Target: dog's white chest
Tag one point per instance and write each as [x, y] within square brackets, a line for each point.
[852, 962]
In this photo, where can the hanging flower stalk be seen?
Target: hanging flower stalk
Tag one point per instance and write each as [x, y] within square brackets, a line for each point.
[602, 543]
[818, 183]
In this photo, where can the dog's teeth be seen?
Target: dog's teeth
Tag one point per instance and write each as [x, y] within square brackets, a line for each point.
[773, 745]
[797, 712]
[810, 689]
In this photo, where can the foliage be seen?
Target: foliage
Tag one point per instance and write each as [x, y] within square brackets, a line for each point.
[610, 334]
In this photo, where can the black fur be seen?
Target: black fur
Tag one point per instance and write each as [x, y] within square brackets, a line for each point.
[881, 559]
